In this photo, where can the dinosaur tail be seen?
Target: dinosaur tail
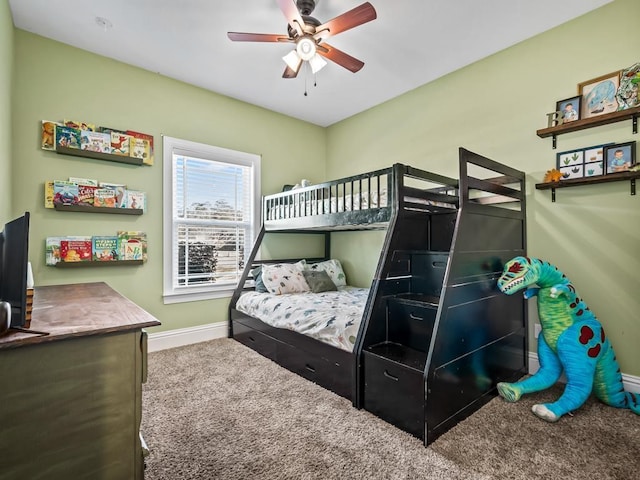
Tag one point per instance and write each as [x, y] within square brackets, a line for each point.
[608, 385]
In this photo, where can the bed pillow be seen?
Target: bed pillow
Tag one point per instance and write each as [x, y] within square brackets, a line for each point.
[257, 278]
[333, 268]
[319, 281]
[281, 278]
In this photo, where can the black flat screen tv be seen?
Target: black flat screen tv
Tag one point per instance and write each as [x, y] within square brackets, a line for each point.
[14, 244]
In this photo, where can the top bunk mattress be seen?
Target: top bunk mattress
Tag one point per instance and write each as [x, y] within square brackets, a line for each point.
[331, 317]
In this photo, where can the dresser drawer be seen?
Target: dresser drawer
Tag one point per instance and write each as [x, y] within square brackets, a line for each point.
[394, 393]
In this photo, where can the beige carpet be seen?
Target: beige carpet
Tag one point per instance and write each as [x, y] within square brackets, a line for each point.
[218, 410]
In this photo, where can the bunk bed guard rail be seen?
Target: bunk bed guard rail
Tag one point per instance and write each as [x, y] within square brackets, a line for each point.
[359, 202]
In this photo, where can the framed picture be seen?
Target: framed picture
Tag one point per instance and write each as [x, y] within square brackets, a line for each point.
[569, 109]
[628, 95]
[570, 163]
[594, 160]
[582, 162]
[599, 95]
[619, 157]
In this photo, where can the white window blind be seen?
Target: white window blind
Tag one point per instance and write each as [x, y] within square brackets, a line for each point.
[211, 218]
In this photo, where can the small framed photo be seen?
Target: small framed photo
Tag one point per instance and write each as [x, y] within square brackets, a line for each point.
[599, 95]
[569, 109]
[619, 157]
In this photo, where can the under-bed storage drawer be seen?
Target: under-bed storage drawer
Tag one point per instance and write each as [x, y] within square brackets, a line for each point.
[395, 393]
[332, 375]
[261, 343]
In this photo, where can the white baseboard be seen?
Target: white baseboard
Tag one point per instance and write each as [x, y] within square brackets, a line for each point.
[202, 333]
[631, 383]
[186, 336]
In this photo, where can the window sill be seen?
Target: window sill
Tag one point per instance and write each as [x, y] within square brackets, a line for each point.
[170, 298]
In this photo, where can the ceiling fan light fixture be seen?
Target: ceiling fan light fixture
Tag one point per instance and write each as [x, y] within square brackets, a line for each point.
[292, 60]
[306, 48]
[317, 63]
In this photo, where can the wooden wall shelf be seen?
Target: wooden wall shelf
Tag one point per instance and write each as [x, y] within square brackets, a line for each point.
[575, 182]
[109, 157]
[111, 263]
[614, 117]
[89, 209]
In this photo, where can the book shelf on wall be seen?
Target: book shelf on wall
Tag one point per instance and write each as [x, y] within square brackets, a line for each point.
[607, 119]
[592, 122]
[85, 195]
[110, 263]
[89, 209]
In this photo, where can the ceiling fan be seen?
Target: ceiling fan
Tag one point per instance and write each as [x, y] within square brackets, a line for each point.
[309, 35]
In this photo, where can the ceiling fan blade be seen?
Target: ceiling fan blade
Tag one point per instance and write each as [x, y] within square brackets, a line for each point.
[257, 37]
[338, 56]
[292, 15]
[357, 16]
[290, 73]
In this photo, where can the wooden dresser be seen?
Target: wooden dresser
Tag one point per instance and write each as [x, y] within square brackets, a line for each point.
[71, 401]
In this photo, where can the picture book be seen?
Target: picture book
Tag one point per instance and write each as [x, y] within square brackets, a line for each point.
[48, 194]
[67, 137]
[48, 135]
[120, 190]
[105, 248]
[90, 127]
[140, 148]
[149, 138]
[75, 249]
[95, 141]
[120, 144]
[83, 181]
[133, 245]
[65, 193]
[86, 195]
[52, 250]
[104, 197]
[136, 199]
[109, 130]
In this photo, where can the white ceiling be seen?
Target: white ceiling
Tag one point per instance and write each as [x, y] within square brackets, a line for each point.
[412, 42]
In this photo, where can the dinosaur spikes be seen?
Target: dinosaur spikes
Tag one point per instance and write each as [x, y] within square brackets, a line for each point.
[515, 268]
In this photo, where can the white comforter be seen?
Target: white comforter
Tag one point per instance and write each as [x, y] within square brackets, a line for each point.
[331, 317]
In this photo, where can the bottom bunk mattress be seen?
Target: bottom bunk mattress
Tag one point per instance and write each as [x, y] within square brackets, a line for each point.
[331, 317]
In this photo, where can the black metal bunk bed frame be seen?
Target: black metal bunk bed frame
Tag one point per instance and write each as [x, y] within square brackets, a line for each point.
[436, 335]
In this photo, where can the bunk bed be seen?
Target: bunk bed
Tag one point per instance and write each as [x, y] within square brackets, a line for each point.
[434, 336]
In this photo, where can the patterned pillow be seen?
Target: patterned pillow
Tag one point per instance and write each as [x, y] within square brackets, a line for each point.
[334, 269]
[257, 277]
[319, 281]
[282, 278]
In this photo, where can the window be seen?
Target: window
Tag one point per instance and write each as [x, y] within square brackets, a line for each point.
[211, 218]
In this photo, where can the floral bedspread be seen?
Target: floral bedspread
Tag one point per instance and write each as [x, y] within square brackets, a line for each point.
[331, 317]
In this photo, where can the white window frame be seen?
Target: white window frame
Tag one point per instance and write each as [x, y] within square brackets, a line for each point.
[203, 151]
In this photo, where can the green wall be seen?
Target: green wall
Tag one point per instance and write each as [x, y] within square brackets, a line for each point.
[6, 72]
[494, 107]
[55, 81]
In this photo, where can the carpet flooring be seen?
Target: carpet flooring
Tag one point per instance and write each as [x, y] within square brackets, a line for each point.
[218, 410]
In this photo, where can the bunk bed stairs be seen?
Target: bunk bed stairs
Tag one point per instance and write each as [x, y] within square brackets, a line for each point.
[437, 335]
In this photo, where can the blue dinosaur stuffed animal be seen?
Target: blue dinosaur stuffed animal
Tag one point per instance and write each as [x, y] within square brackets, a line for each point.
[572, 339]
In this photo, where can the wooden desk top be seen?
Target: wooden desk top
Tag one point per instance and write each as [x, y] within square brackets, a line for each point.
[77, 310]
